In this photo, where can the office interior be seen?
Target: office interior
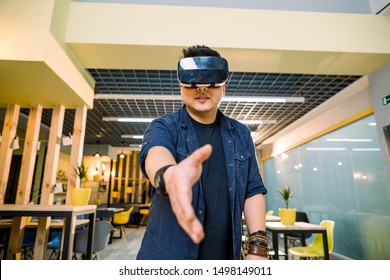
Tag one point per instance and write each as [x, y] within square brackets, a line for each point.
[58, 64]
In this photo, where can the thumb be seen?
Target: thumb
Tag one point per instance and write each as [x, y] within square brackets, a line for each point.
[201, 154]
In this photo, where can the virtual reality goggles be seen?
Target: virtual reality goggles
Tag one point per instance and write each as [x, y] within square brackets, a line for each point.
[202, 71]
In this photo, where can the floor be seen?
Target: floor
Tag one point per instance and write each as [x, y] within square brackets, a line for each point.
[125, 248]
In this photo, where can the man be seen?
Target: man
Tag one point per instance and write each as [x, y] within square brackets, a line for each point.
[204, 170]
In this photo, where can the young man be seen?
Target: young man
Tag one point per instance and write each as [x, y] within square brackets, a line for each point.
[204, 170]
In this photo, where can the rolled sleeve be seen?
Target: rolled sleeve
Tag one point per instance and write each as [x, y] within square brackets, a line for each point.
[255, 182]
[160, 132]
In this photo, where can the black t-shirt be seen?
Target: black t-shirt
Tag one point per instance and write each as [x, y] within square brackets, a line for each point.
[218, 241]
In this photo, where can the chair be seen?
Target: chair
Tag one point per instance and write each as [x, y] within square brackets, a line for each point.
[144, 212]
[120, 220]
[269, 213]
[292, 238]
[315, 250]
[28, 244]
[54, 244]
[102, 235]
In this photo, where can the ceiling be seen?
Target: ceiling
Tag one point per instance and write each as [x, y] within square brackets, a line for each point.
[124, 63]
[314, 88]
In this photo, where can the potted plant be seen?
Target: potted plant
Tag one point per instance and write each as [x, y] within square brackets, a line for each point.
[287, 215]
[80, 196]
[81, 173]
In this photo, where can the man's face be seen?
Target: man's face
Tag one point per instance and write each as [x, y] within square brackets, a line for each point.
[202, 102]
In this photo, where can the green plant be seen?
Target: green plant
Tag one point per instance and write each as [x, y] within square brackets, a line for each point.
[81, 171]
[286, 193]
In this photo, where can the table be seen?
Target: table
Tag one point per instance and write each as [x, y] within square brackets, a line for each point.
[272, 218]
[54, 224]
[66, 211]
[277, 228]
[107, 212]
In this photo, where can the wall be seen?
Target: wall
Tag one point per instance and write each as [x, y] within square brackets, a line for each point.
[342, 181]
[380, 87]
[345, 6]
[358, 202]
[378, 5]
[330, 115]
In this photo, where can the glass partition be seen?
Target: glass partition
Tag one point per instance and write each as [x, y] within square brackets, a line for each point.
[339, 176]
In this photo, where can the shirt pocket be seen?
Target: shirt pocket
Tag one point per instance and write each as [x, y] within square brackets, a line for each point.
[242, 167]
[181, 153]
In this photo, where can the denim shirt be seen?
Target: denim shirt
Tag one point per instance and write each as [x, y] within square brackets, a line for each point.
[164, 238]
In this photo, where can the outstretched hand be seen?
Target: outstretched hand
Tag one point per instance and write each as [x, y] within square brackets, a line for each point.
[179, 180]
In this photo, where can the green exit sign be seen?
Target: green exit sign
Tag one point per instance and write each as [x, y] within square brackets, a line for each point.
[386, 100]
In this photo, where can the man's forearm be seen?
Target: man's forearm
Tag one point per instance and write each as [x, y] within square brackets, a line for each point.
[254, 211]
[157, 157]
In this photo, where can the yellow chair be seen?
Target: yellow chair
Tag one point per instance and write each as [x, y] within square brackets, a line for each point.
[144, 212]
[315, 250]
[269, 213]
[121, 219]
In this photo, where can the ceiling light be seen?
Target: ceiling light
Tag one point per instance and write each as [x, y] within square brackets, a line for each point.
[326, 149]
[97, 154]
[258, 121]
[132, 136]
[366, 149]
[123, 119]
[122, 155]
[348, 140]
[135, 145]
[226, 98]
[263, 99]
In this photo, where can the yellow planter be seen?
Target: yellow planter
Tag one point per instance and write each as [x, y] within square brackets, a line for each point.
[98, 201]
[80, 196]
[287, 215]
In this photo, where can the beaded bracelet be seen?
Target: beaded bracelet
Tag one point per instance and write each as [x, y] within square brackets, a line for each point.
[262, 243]
[257, 243]
[258, 233]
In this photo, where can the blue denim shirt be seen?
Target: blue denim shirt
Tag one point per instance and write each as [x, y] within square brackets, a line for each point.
[164, 238]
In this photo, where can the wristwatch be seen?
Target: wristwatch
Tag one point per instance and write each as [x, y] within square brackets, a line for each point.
[159, 182]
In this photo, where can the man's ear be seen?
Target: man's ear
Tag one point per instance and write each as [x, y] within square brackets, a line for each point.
[181, 89]
[224, 89]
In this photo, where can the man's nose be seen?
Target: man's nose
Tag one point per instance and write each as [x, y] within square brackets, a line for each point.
[201, 88]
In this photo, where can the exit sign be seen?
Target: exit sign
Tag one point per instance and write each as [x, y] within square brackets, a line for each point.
[386, 100]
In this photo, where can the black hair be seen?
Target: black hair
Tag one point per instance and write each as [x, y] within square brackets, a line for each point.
[199, 50]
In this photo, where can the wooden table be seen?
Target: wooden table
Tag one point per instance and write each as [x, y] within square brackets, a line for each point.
[272, 218]
[54, 224]
[277, 228]
[68, 212]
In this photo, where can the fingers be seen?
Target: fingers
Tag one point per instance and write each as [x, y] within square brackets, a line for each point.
[192, 226]
[201, 154]
[179, 182]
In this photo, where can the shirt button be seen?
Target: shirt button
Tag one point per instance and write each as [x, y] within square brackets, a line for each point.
[200, 212]
[230, 164]
[230, 141]
[230, 189]
[242, 157]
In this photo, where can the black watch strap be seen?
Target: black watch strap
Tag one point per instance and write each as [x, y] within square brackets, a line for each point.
[159, 182]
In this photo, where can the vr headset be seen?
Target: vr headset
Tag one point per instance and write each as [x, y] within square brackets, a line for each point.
[202, 71]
